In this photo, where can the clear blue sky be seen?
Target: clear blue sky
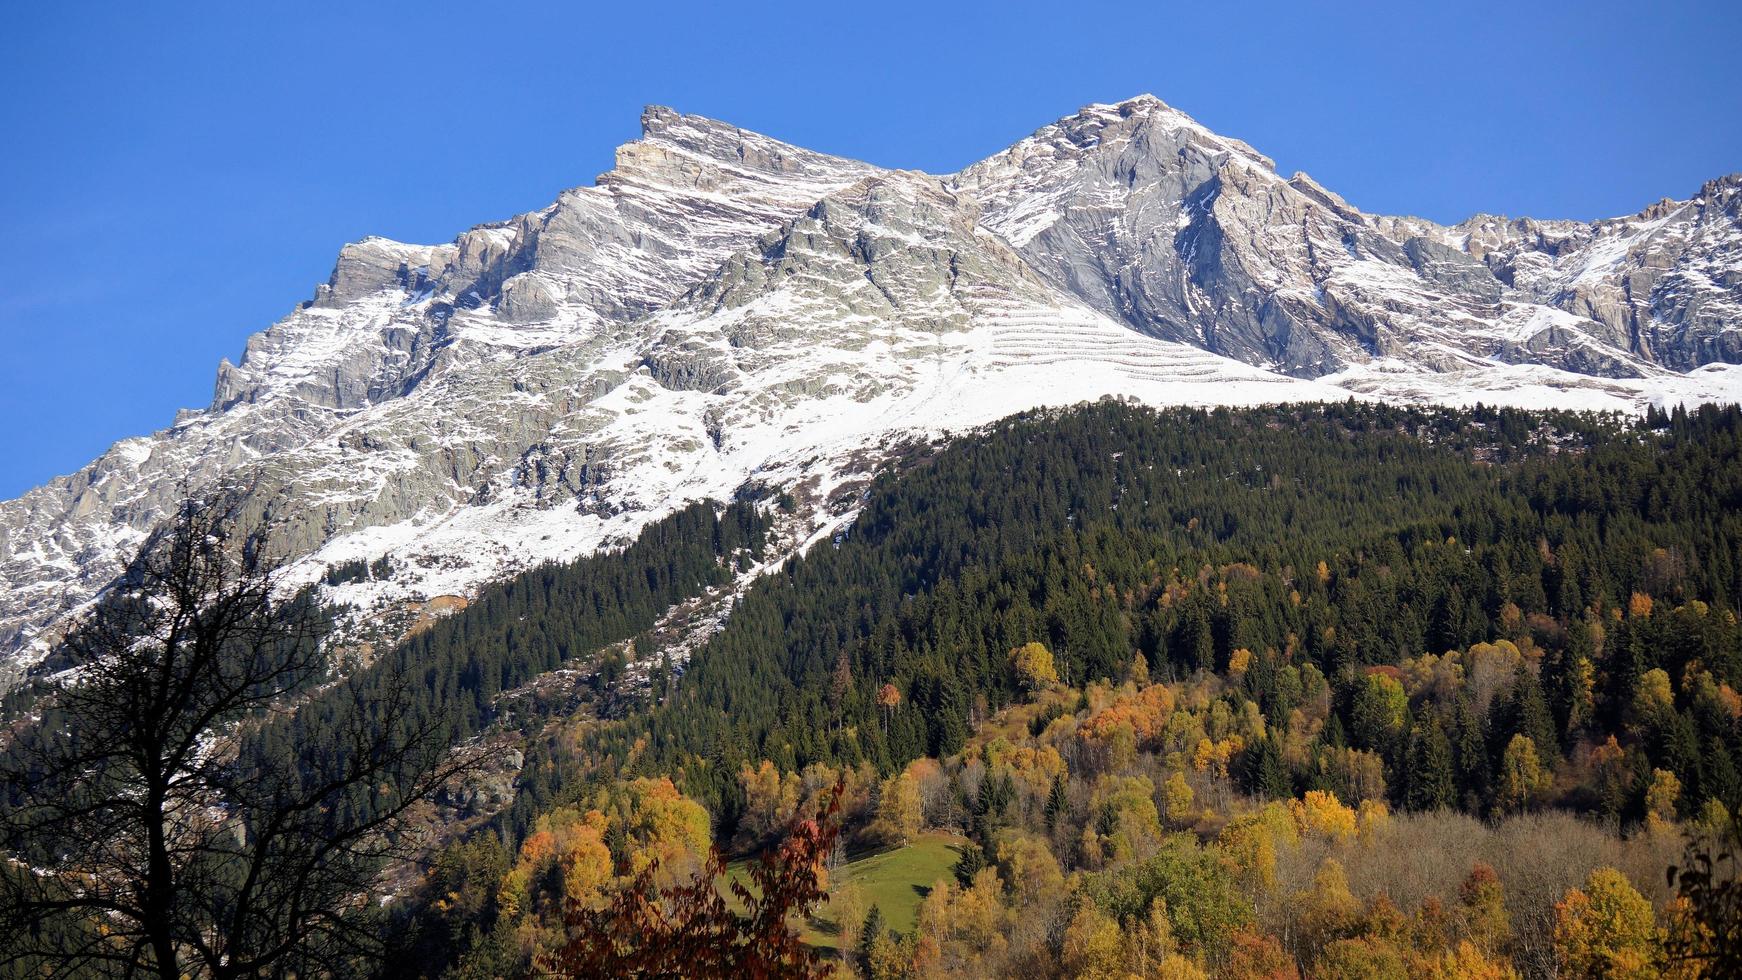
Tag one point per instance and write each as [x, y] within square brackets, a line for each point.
[176, 176]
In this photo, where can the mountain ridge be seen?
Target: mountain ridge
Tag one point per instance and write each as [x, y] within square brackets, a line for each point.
[722, 307]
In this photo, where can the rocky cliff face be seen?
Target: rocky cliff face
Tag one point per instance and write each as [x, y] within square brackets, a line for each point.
[1664, 284]
[722, 308]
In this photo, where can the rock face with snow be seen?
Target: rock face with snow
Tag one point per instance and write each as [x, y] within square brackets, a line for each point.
[1187, 235]
[1664, 284]
[722, 308]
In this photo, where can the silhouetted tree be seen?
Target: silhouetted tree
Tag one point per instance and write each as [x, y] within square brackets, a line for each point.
[1707, 930]
[153, 845]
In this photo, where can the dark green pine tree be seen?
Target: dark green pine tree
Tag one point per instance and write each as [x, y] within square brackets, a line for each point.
[1722, 783]
[991, 806]
[946, 713]
[1560, 680]
[1058, 805]
[1430, 783]
[1556, 682]
[1194, 640]
[1470, 758]
[1264, 772]
[969, 864]
[1333, 735]
[869, 933]
[660, 682]
[1524, 711]
[1676, 746]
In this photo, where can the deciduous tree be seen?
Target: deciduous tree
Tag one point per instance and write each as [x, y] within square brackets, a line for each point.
[1606, 929]
[1521, 776]
[1034, 668]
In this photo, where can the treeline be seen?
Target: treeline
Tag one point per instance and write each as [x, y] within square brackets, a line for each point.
[451, 675]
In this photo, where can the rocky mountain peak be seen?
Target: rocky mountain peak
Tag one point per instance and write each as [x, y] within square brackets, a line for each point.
[695, 151]
[1721, 191]
[723, 307]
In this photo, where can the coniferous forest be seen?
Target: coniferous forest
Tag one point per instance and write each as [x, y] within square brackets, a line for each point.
[1325, 691]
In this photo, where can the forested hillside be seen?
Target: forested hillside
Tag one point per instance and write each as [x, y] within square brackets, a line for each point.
[1103, 638]
[1339, 538]
[1332, 690]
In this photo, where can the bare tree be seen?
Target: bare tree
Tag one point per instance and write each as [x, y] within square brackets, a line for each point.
[169, 815]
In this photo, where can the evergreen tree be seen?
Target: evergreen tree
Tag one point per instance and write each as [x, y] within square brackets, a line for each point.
[870, 932]
[1431, 782]
[1470, 757]
[1263, 772]
[1058, 805]
[968, 864]
[1524, 711]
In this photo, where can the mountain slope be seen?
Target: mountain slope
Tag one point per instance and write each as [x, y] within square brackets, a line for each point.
[723, 308]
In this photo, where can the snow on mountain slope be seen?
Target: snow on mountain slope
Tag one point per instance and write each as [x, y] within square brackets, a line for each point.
[399, 320]
[722, 308]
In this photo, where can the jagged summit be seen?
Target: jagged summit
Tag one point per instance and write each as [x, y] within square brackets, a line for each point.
[722, 308]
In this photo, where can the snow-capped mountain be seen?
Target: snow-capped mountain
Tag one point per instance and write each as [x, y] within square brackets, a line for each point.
[722, 308]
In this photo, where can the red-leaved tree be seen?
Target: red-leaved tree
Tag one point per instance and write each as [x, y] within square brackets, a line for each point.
[689, 930]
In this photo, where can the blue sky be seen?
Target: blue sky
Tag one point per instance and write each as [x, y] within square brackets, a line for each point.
[174, 177]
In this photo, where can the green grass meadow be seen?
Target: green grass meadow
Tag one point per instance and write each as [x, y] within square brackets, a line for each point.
[895, 880]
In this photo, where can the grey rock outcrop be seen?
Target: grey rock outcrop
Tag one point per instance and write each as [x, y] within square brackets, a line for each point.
[1455, 271]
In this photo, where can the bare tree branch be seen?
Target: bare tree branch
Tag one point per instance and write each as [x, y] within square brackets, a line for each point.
[170, 816]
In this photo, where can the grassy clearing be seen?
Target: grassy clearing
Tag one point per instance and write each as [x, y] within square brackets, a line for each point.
[895, 880]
